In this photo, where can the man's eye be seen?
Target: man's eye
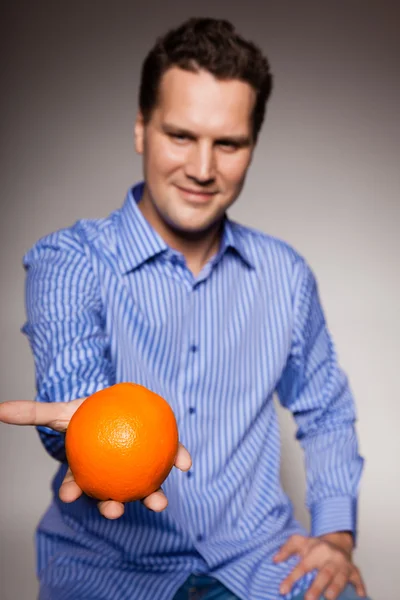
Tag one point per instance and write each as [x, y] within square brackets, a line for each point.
[179, 137]
[228, 145]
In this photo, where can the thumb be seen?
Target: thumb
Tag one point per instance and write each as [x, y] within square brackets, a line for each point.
[183, 460]
[55, 415]
[291, 547]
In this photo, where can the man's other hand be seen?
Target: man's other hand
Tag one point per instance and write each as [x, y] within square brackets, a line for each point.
[331, 556]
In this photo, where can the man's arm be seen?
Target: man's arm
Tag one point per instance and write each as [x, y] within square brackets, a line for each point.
[315, 389]
[64, 327]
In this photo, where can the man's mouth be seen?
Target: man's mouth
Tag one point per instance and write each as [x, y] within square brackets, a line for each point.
[196, 194]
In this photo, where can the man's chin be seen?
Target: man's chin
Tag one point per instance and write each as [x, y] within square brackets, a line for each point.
[194, 230]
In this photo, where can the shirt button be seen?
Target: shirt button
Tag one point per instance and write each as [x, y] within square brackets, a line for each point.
[193, 348]
[189, 474]
[192, 410]
[199, 537]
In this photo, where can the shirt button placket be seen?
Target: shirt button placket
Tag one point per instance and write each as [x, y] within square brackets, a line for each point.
[193, 350]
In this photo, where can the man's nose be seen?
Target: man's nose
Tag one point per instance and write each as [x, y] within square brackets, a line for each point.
[200, 165]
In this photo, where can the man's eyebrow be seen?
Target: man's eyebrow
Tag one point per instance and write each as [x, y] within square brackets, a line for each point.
[169, 128]
[237, 140]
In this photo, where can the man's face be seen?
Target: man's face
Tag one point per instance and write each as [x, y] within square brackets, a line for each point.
[196, 149]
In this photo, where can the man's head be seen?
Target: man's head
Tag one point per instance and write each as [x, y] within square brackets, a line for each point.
[202, 102]
[211, 45]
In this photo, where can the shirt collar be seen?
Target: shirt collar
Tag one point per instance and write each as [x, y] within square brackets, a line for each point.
[139, 242]
[232, 240]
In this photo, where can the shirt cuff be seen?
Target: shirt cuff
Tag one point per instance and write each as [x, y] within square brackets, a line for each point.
[334, 514]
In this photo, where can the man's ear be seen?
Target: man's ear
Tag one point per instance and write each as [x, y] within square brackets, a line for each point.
[139, 133]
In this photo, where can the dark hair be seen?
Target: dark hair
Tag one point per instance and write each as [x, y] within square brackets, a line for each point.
[212, 45]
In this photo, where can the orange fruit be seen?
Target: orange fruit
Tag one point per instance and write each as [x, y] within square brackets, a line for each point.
[121, 443]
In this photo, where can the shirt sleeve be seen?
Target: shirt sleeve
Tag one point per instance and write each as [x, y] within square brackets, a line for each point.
[316, 390]
[64, 327]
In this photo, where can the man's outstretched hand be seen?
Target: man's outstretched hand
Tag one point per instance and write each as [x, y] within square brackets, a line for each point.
[57, 416]
[331, 556]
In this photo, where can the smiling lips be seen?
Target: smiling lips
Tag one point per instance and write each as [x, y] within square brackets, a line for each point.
[196, 195]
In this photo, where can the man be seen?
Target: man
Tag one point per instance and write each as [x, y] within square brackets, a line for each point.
[170, 293]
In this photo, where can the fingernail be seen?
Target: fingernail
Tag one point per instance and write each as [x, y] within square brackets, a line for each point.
[284, 589]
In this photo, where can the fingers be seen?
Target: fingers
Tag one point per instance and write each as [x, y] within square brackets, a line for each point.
[328, 578]
[69, 490]
[334, 568]
[298, 572]
[183, 460]
[356, 579]
[111, 509]
[336, 586]
[29, 412]
[294, 545]
[157, 501]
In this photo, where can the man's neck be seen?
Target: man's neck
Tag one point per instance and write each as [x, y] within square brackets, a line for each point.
[198, 253]
[197, 249]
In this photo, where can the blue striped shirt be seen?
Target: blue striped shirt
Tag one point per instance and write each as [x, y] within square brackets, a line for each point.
[108, 301]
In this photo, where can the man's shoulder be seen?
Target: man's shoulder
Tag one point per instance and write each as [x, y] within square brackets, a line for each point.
[261, 246]
[76, 240]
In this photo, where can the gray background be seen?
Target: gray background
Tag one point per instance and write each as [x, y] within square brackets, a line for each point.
[325, 178]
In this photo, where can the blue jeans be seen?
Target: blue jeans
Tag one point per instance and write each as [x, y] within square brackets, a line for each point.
[202, 587]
